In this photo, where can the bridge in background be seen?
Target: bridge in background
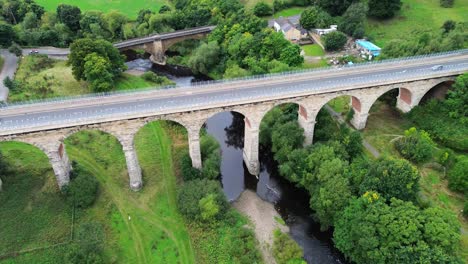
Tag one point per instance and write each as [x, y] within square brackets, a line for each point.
[47, 124]
[157, 44]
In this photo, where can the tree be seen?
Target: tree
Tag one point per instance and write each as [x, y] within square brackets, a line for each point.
[234, 71]
[354, 19]
[334, 41]
[416, 145]
[457, 99]
[262, 9]
[15, 49]
[98, 72]
[82, 190]
[334, 7]
[285, 138]
[383, 8]
[330, 193]
[285, 249]
[314, 17]
[7, 34]
[291, 55]
[70, 16]
[114, 23]
[458, 176]
[204, 58]
[81, 48]
[392, 178]
[446, 3]
[371, 231]
[211, 157]
[199, 197]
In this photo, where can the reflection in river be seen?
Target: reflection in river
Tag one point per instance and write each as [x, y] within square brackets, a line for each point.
[290, 201]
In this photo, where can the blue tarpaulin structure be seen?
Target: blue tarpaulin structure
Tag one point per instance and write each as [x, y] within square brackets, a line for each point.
[369, 47]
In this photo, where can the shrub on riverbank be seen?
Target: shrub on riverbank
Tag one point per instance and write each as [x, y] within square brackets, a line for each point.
[286, 250]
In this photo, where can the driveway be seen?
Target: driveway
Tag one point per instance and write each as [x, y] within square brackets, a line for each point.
[11, 64]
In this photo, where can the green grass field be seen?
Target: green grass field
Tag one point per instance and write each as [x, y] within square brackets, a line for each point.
[33, 213]
[415, 15]
[289, 12]
[127, 7]
[313, 50]
[61, 81]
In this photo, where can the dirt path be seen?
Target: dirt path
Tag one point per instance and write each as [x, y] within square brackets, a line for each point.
[263, 215]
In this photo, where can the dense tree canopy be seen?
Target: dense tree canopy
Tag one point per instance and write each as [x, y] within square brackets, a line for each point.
[262, 9]
[415, 145]
[205, 58]
[202, 200]
[315, 17]
[334, 40]
[88, 57]
[334, 7]
[70, 16]
[353, 20]
[392, 178]
[384, 8]
[372, 231]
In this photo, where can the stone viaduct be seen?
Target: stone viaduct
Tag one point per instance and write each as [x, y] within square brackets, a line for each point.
[158, 44]
[51, 142]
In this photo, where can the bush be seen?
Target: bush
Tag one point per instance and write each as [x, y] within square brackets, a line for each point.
[285, 249]
[211, 157]
[202, 200]
[153, 77]
[82, 190]
[243, 247]
[188, 172]
[262, 9]
[15, 49]
[446, 3]
[458, 176]
[416, 145]
[334, 41]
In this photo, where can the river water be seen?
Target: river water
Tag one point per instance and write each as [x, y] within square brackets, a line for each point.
[292, 203]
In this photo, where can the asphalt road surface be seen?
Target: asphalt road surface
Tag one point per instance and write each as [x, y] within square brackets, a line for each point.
[116, 107]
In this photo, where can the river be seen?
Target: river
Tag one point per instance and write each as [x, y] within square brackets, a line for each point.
[290, 202]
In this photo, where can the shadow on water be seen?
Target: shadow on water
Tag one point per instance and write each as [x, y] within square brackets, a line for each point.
[292, 203]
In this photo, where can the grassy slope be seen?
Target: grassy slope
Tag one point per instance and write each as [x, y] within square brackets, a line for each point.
[33, 214]
[416, 15]
[385, 124]
[154, 233]
[128, 7]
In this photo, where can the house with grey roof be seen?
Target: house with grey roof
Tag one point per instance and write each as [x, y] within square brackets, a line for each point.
[290, 27]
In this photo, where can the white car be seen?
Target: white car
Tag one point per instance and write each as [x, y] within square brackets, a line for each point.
[437, 67]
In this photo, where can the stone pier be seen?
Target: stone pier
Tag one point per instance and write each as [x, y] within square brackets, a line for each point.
[60, 164]
[194, 148]
[251, 145]
[133, 166]
[308, 124]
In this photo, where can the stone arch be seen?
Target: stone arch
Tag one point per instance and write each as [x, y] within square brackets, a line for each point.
[126, 140]
[53, 151]
[430, 86]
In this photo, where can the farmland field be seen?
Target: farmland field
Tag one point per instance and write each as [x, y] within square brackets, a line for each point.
[128, 7]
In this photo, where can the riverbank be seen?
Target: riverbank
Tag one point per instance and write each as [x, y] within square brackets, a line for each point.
[264, 217]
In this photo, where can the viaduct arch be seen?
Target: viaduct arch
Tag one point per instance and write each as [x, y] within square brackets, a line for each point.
[51, 141]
